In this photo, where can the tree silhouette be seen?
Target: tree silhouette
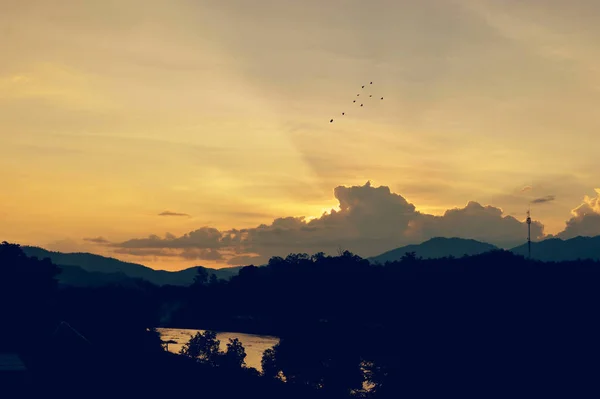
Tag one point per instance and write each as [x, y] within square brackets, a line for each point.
[28, 291]
[269, 363]
[314, 360]
[409, 257]
[203, 347]
[235, 355]
[201, 277]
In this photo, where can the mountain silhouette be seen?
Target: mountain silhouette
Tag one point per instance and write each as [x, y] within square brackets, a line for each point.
[85, 269]
[76, 276]
[556, 249]
[437, 247]
[110, 270]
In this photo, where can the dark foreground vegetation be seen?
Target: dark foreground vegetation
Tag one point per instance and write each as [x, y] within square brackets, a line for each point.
[491, 325]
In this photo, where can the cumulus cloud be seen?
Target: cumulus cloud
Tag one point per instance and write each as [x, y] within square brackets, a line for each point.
[482, 223]
[585, 220]
[169, 213]
[370, 220]
[542, 200]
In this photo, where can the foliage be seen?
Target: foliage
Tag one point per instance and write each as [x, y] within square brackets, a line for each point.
[235, 355]
[201, 277]
[316, 361]
[203, 347]
[269, 363]
[409, 257]
[28, 289]
[494, 324]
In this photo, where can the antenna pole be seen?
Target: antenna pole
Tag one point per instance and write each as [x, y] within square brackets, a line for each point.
[529, 233]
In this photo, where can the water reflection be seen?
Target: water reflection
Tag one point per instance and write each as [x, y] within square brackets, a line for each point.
[255, 345]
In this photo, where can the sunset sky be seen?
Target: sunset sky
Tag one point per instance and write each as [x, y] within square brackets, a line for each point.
[215, 114]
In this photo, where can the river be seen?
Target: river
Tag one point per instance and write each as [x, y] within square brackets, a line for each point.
[254, 345]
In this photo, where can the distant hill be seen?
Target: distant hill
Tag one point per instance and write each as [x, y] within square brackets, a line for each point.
[75, 276]
[437, 247]
[110, 270]
[556, 249]
[85, 269]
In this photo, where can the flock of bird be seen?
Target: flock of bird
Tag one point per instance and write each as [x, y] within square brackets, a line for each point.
[354, 101]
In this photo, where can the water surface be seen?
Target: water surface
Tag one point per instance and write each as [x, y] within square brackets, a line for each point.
[255, 345]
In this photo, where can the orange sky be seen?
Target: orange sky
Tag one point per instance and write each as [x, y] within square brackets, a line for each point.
[113, 112]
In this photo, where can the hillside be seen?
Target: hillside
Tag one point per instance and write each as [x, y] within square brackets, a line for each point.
[437, 247]
[556, 249]
[75, 276]
[110, 269]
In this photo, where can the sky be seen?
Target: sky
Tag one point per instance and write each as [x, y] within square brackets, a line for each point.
[196, 132]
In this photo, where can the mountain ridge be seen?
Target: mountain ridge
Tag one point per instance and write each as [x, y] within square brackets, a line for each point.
[556, 249]
[437, 247]
[87, 269]
[120, 270]
[552, 249]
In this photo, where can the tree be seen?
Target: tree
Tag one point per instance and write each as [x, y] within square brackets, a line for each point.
[409, 257]
[321, 362]
[201, 277]
[28, 288]
[269, 363]
[235, 355]
[318, 257]
[202, 347]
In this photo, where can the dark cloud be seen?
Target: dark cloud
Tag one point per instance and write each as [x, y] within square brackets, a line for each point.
[169, 213]
[145, 252]
[204, 237]
[97, 240]
[201, 254]
[585, 220]
[542, 200]
[188, 253]
[370, 220]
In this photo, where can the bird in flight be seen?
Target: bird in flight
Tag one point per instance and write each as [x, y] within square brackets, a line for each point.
[354, 101]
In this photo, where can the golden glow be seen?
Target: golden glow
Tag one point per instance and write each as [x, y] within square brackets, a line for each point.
[112, 112]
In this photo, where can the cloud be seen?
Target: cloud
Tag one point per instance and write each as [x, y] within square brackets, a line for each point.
[204, 237]
[145, 252]
[482, 223]
[370, 220]
[97, 240]
[188, 253]
[526, 188]
[585, 220]
[169, 213]
[547, 198]
[201, 254]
